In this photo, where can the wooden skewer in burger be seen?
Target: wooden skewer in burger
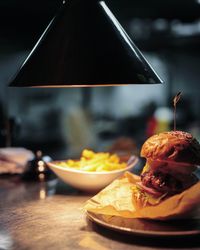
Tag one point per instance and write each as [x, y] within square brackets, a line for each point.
[171, 159]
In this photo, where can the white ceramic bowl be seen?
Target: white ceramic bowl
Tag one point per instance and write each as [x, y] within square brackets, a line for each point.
[89, 181]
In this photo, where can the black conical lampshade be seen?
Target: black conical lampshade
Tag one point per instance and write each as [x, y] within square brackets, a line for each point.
[84, 45]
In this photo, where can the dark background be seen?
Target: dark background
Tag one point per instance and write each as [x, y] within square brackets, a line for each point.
[63, 122]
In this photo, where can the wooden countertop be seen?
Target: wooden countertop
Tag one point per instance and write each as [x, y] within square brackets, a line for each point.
[48, 216]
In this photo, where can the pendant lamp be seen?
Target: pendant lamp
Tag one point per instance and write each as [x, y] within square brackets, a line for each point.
[84, 46]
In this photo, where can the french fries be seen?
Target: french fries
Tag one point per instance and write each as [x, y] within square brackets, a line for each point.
[95, 162]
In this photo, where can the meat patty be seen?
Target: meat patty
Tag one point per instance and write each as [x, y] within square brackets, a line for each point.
[167, 183]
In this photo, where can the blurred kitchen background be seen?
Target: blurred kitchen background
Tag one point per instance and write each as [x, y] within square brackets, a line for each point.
[62, 122]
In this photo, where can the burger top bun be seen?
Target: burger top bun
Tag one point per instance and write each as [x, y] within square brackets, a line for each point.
[175, 146]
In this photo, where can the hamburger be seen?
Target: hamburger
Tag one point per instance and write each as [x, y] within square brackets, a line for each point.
[171, 160]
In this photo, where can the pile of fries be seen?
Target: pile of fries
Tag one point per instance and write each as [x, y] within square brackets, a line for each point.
[95, 162]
